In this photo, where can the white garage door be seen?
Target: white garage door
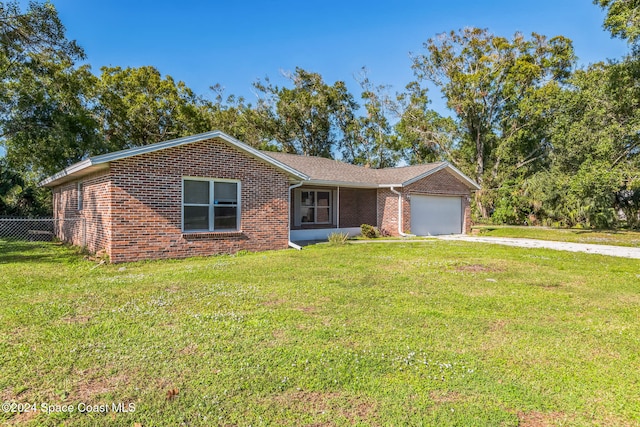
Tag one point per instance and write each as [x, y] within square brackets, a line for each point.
[434, 215]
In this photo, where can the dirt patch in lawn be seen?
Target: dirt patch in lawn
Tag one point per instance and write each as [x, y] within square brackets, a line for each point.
[477, 268]
[274, 303]
[76, 319]
[443, 396]
[190, 350]
[92, 385]
[498, 325]
[540, 419]
[22, 418]
[355, 409]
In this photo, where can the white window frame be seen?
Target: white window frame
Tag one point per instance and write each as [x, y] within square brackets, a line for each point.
[211, 205]
[315, 206]
[80, 194]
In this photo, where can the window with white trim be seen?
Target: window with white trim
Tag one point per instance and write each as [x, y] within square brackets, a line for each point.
[210, 204]
[80, 191]
[315, 207]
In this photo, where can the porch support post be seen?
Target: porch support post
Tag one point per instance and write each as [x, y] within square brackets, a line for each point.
[338, 209]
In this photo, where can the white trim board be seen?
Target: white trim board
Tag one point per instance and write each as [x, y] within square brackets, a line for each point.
[321, 233]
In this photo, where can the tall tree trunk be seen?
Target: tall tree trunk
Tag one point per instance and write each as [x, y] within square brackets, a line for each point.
[482, 209]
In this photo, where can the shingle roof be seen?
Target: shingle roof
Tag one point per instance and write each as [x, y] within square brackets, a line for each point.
[317, 170]
[323, 170]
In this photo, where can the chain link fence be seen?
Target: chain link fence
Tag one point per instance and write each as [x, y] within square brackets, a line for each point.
[44, 229]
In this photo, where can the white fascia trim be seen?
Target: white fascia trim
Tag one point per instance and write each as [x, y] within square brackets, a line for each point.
[123, 154]
[439, 168]
[465, 177]
[76, 167]
[327, 183]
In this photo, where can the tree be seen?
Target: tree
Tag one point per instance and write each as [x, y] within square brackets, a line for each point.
[235, 117]
[370, 139]
[595, 158]
[19, 196]
[137, 106]
[52, 123]
[311, 118]
[34, 34]
[425, 136]
[489, 82]
[27, 40]
[622, 19]
[34, 53]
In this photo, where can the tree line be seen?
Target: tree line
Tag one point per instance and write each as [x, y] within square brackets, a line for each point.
[549, 142]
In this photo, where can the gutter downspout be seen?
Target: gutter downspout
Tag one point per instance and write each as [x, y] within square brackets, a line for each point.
[291, 187]
[393, 190]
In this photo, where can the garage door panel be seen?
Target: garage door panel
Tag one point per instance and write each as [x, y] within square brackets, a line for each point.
[435, 215]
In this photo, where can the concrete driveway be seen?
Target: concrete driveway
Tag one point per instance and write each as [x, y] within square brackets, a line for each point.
[619, 251]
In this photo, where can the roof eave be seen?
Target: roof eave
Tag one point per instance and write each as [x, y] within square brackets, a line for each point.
[331, 183]
[103, 159]
[443, 166]
[66, 172]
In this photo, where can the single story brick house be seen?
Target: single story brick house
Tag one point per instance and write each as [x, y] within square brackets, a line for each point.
[210, 193]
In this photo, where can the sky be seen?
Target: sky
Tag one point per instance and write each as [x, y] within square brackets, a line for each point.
[233, 43]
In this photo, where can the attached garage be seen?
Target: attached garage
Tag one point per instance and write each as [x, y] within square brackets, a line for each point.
[435, 215]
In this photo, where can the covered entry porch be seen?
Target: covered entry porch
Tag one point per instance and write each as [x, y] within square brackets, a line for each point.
[317, 211]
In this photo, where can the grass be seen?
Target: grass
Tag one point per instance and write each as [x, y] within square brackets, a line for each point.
[598, 237]
[433, 333]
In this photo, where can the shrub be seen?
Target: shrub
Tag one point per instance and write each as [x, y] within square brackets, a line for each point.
[369, 231]
[338, 238]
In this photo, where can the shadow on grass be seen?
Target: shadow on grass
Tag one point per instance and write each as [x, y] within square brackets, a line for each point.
[21, 251]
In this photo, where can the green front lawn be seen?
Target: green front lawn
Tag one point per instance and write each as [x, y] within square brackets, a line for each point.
[432, 333]
[574, 235]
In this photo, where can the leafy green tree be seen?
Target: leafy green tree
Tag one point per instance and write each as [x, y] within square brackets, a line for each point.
[137, 106]
[234, 116]
[595, 159]
[51, 124]
[597, 118]
[34, 52]
[488, 82]
[370, 140]
[425, 136]
[311, 118]
[622, 19]
[30, 35]
[19, 195]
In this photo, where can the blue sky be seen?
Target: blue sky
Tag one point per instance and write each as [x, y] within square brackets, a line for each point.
[235, 42]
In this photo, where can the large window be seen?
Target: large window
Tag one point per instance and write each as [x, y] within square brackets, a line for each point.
[210, 205]
[315, 207]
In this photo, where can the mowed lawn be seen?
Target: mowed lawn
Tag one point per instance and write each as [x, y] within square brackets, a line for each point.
[428, 333]
[574, 235]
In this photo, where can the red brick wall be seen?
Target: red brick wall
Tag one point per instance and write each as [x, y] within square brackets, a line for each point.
[357, 207]
[442, 182]
[91, 225]
[146, 195]
[388, 211]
